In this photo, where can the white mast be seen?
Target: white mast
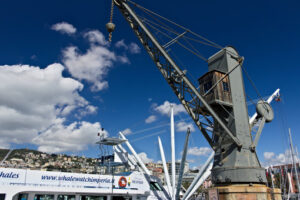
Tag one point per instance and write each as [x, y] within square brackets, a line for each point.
[135, 154]
[200, 181]
[167, 177]
[205, 169]
[293, 159]
[270, 99]
[182, 164]
[173, 152]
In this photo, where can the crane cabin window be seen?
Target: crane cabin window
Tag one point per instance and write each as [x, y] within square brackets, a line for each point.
[225, 86]
[207, 86]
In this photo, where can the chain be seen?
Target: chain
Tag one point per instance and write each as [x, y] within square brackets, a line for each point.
[111, 18]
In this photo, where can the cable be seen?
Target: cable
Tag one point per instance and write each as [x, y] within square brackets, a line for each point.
[156, 133]
[186, 29]
[167, 28]
[200, 56]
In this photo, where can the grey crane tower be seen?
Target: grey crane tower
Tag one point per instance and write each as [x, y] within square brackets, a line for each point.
[235, 160]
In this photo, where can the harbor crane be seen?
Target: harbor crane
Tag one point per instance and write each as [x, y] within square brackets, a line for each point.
[220, 99]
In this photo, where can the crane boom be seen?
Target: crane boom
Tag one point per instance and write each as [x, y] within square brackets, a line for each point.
[186, 92]
[234, 161]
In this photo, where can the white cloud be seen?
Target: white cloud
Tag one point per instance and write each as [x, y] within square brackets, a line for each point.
[74, 137]
[64, 27]
[121, 44]
[127, 131]
[270, 158]
[165, 108]
[201, 151]
[150, 119]
[134, 48]
[191, 161]
[91, 66]
[34, 99]
[123, 59]
[95, 37]
[269, 155]
[183, 126]
[143, 156]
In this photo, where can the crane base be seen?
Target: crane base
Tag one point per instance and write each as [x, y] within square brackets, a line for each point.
[244, 192]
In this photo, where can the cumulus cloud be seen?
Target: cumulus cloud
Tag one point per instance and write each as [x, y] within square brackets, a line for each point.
[143, 156]
[64, 27]
[93, 65]
[150, 119]
[183, 126]
[121, 44]
[127, 131]
[133, 48]
[270, 158]
[201, 151]
[95, 37]
[74, 137]
[34, 99]
[165, 108]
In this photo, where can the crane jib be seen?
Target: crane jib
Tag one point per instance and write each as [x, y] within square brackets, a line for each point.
[175, 77]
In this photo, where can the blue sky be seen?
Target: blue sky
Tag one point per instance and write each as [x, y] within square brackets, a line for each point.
[117, 86]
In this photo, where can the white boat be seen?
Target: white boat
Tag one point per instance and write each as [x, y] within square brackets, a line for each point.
[25, 184]
[22, 184]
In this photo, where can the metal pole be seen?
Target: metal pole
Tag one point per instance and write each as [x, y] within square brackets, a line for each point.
[173, 152]
[182, 164]
[135, 154]
[130, 157]
[167, 177]
[199, 175]
[131, 164]
[270, 99]
[201, 180]
[271, 173]
[293, 159]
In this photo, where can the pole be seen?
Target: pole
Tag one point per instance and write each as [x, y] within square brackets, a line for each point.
[271, 174]
[199, 175]
[201, 180]
[182, 164]
[167, 177]
[293, 159]
[173, 152]
[270, 99]
[135, 154]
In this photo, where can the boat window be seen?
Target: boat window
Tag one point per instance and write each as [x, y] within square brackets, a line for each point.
[85, 197]
[121, 198]
[43, 197]
[2, 196]
[155, 186]
[66, 197]
[23, 196]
